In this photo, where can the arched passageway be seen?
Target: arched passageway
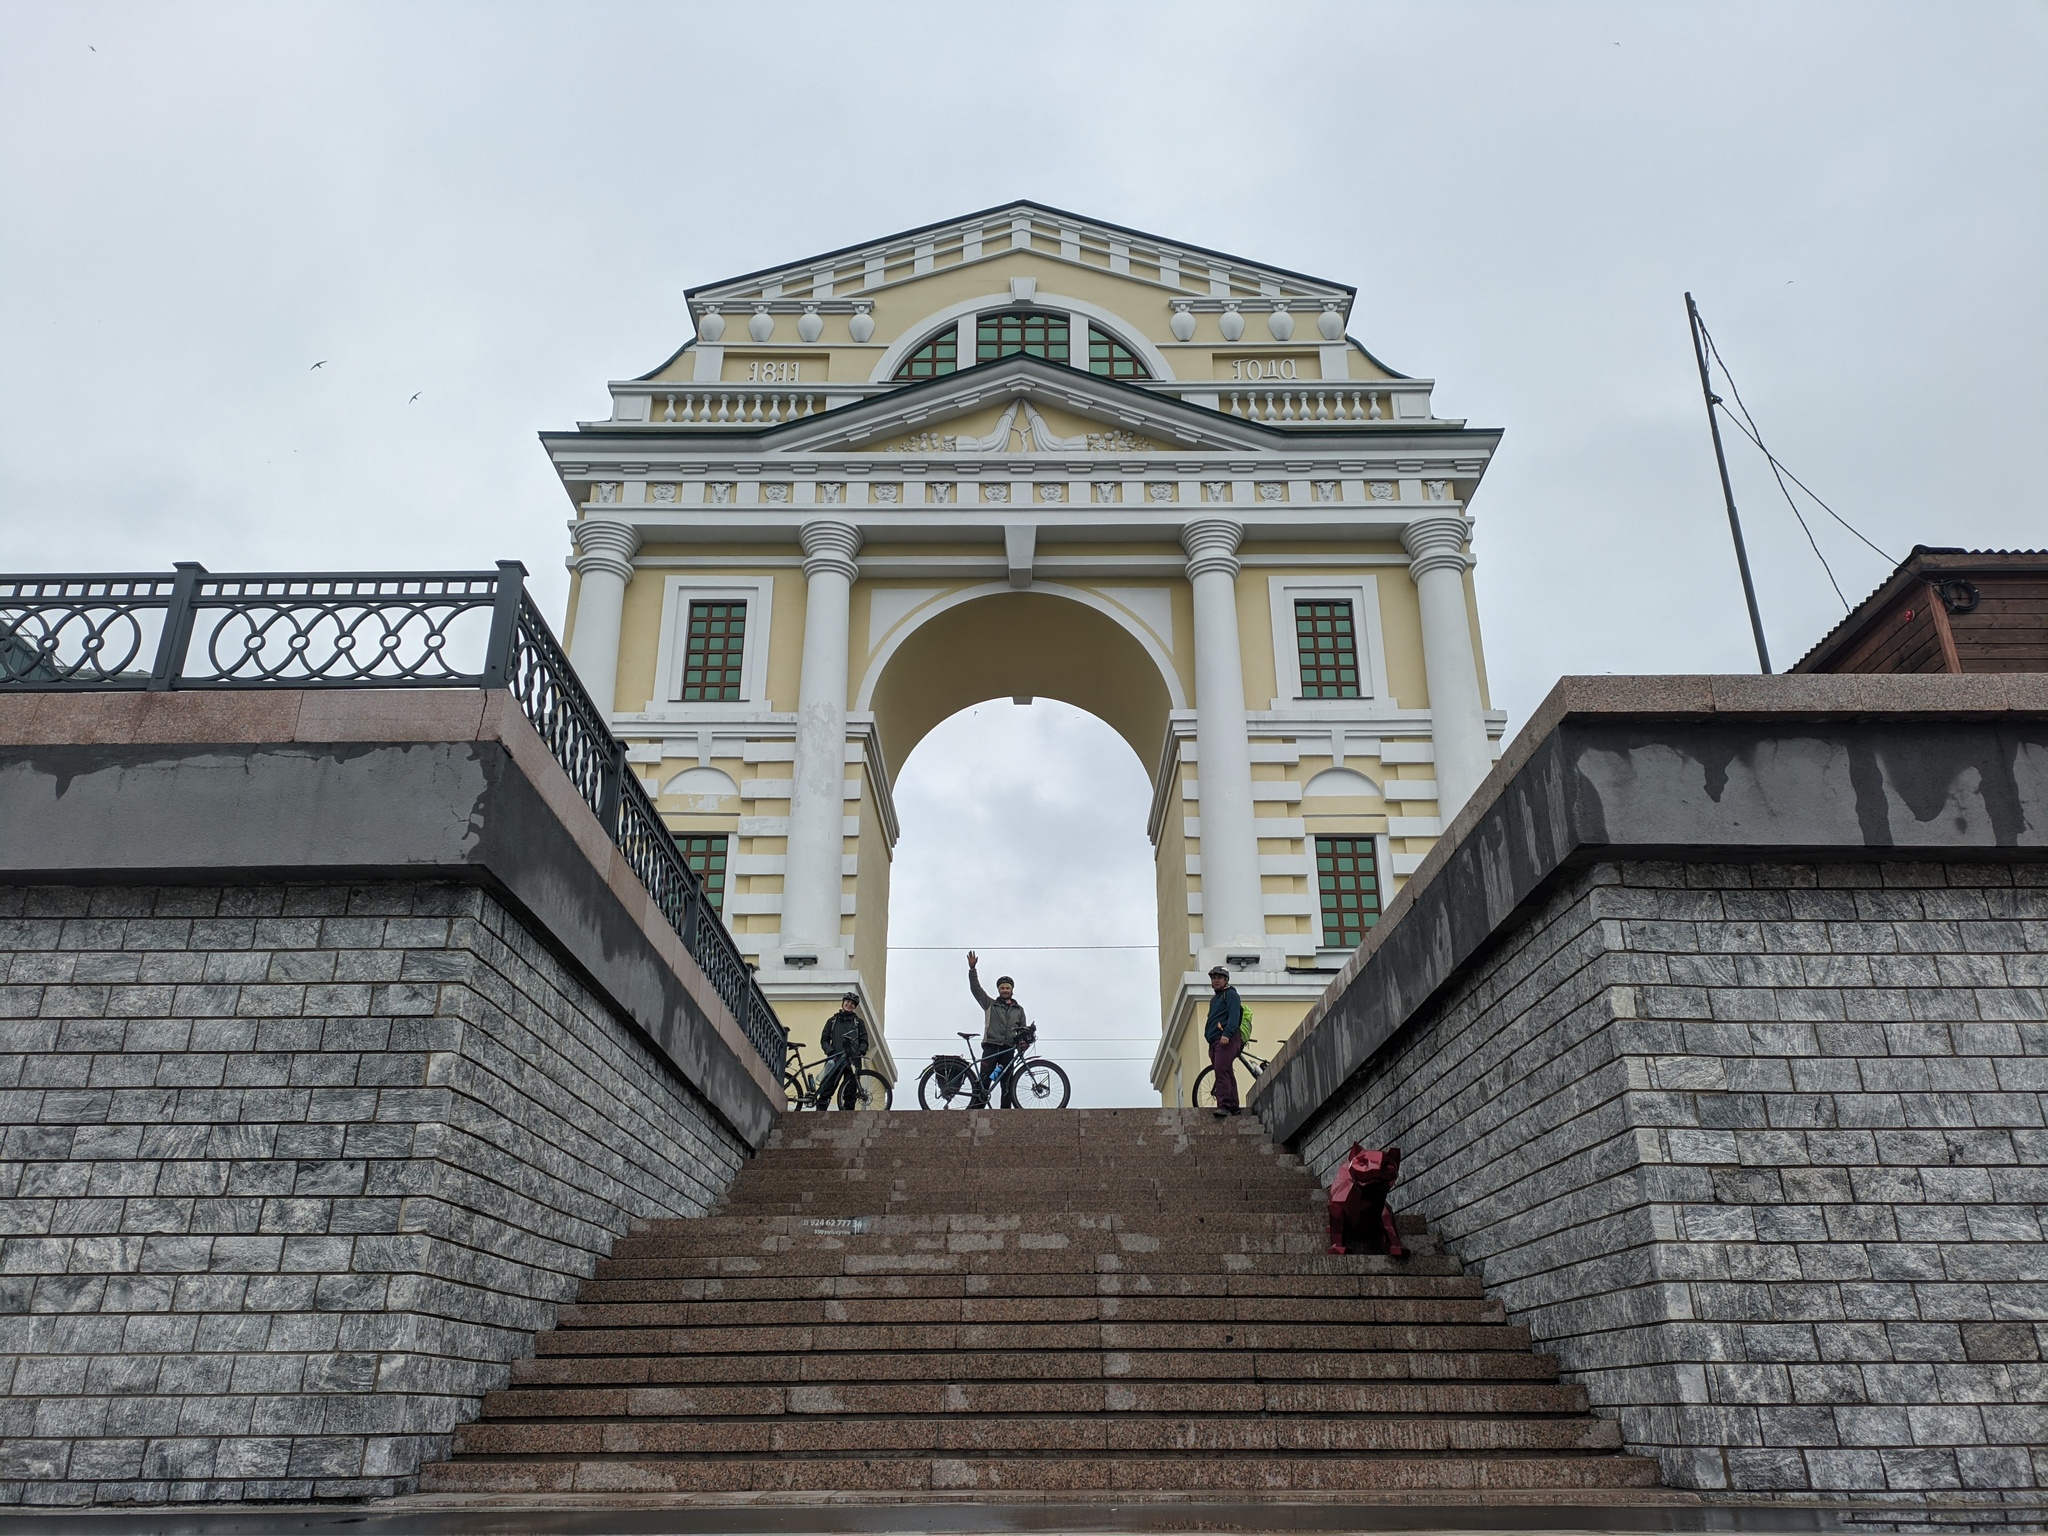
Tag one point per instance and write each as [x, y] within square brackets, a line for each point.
[1036, 644]
[1024, 837]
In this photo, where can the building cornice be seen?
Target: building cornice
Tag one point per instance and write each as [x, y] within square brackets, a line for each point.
[799, 279]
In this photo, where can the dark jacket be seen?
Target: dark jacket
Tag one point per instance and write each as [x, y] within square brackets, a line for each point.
[1000, 1020]
[845, 1035]
[1226, 1009]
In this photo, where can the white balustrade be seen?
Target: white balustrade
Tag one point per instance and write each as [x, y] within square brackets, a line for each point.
[735, 407]
[1306, 405]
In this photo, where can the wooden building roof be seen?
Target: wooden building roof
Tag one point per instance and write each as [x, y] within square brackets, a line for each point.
[1946, 610]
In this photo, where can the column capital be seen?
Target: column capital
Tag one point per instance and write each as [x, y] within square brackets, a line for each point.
[830, 548]
[605, 544]
[1211, 543]
[1437, 543]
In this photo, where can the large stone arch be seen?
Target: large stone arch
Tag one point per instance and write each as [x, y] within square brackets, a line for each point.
[992, 642]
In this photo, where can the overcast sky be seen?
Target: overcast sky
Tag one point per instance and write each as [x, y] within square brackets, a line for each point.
[500, 206]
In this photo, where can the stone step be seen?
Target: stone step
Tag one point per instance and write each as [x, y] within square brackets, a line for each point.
[1404, 1283]
[1034, 1397]
[1191, 1473]
[1159, 1267]
[918, 1311]
[1120, 1367]
[936, 1196]
[1038, 1337]
[908, 1306]
[1088, 1434]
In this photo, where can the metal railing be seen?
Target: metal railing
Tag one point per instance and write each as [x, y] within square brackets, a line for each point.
[441, 629]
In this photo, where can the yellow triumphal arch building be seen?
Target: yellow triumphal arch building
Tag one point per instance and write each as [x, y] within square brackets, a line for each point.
[1026, 453]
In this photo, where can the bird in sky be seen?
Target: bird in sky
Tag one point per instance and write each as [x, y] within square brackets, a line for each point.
[415, 395]
[321, 364]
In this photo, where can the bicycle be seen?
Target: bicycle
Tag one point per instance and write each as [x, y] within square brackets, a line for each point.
[954, 1082]
[1204, 1096]
[800, 1088]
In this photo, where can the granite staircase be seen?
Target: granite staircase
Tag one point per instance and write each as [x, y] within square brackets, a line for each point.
[1018, 1305]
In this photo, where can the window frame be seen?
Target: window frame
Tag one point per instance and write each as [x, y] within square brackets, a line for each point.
[725, 875]
[898, 376]
[689, 608]
[1093, 330]
[1363, 593]
[1050, 316]
[1304, 652]
[678, 592]
[1377, 850]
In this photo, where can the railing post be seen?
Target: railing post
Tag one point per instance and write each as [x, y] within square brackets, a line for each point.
[504, 625]
[172, 644]
[610, 788]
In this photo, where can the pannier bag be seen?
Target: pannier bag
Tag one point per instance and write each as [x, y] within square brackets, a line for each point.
[1358, 1201]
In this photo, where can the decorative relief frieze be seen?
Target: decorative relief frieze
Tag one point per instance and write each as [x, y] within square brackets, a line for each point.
[1272, 490]
[887, 493]
[664, 493]
[1215, 490]
[1117, 442]
[940, 491]
[605, 491]
[1105, 491]
[1161, 490]
[925, 442]
[1437, 490]
[1382, 490]
[718, 493]
[995, 493]
[774, 492]
[1325, 490]
[1052, 492]
[832, 492]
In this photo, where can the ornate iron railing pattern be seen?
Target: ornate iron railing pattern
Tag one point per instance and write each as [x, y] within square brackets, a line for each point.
[460, 629]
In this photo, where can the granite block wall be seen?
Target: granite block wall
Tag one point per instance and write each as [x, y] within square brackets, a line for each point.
[1759, 1152]
[291, 1172]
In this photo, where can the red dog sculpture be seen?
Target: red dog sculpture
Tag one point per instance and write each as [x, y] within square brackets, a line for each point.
[1359, 1194]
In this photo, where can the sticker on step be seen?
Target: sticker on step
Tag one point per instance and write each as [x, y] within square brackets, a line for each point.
[847, 1224]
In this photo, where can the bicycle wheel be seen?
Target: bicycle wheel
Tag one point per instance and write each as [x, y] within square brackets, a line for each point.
[948, 1083]
[793, 1090]
[871, 1091]
[1040, 1085]
[1204, 1095]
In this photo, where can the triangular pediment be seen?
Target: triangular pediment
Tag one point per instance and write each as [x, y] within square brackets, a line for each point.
[1018, 226]
[1020, 405]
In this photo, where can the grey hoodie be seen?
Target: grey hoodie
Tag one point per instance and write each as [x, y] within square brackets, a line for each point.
[1001, 1020]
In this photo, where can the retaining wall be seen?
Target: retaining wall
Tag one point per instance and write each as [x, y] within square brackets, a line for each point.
[1758, 1152]
[1713, 1034]
[336, 1045]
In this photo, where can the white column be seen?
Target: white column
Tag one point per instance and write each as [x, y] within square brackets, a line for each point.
[604, 564]
[1437, 561]
[817, 806]
[1233, 912]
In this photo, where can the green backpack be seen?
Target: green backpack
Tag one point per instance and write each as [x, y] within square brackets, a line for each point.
[1244, 1021]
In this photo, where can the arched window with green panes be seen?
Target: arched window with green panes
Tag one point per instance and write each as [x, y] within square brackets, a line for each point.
[1111, 359]
[1032, 332]
[937, 357]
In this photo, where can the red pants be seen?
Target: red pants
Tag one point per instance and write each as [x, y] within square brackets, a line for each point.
[1223, 1056]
